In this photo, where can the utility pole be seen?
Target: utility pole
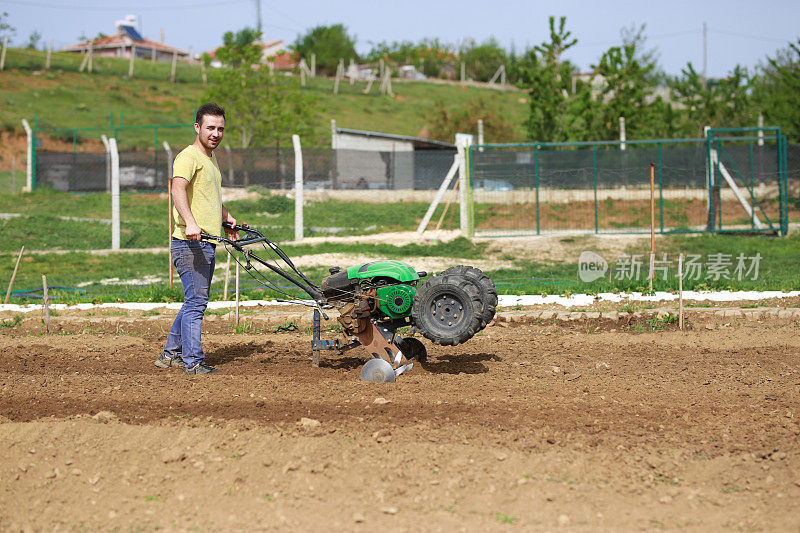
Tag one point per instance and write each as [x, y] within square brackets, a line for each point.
[705, 53]
[258, 14]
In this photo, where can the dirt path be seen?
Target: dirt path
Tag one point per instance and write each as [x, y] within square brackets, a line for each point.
[535, 427]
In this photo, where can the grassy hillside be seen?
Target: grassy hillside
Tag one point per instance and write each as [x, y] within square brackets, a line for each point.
[64, 98]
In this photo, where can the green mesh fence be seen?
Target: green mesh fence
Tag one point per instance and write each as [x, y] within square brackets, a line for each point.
[604, 187]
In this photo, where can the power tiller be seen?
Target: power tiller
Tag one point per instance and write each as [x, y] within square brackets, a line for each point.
[374, 300]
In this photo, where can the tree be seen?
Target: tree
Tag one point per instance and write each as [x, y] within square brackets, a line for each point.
[776, 89]
[33, 40]
[240, 48]
[429, 56]
[6, 29]
[626, 93]
[329, 44]
[263, 108]
[482, 60]
[723, 102]
[635, 36]
[560, 110]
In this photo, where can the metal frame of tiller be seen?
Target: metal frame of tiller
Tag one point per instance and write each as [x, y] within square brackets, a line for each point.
[379, 339]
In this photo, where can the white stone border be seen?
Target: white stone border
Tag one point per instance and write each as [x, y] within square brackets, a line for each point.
[506, 300]
[587, 299]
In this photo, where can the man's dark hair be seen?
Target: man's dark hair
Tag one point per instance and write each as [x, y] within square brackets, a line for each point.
[210, 108]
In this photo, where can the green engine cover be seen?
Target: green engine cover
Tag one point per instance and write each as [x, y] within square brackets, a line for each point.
[396, 300]
[397, 270]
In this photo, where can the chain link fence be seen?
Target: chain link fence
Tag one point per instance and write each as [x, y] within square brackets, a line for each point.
[515, 189]
[266, 167]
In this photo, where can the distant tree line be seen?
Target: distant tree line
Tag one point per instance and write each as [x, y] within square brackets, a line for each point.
[569, 105]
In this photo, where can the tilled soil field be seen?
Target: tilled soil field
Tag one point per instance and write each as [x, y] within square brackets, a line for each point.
[529, 426]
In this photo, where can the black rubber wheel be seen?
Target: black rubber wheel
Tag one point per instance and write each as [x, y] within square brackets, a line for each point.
[414, 349]
[447, 309]
[485, 287]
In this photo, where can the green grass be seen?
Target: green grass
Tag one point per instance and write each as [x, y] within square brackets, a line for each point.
[44, 224]
[505, 519]
[12, 322]
[70, 269]
[776, 272]
[64, 98]
[289, 325]
[71, 221]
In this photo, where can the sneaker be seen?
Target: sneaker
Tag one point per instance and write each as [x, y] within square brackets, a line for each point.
[201, 368]
[165, 362]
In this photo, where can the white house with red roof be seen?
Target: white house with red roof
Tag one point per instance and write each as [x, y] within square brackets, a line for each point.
[271, 52]
[126, 40]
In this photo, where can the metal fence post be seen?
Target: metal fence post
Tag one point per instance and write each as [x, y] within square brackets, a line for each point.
[73, 177]
[709, 183]
[155, 151]
[114, 194]
[752, 192]
[717, 191]
[536, 184]
[298, 188]
[594, 171]
[660, 190]
[783, 185]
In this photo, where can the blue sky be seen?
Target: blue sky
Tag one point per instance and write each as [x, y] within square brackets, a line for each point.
[739, 32]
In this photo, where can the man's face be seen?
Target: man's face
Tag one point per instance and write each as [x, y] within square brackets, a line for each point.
[210, 130]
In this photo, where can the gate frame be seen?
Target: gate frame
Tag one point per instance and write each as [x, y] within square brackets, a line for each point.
[716, 169]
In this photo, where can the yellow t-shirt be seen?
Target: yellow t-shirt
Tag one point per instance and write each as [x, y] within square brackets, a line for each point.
[204, 191]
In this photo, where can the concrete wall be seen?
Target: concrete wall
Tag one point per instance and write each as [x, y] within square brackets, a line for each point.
[372, 159]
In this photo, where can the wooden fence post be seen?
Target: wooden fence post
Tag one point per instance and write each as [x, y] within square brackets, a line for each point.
[49, 53]
[130, 66]
[45, 304]
[339, 74]
[174, 66]
[84, 61]
[3, 53]
[14, 275]
[236, 316]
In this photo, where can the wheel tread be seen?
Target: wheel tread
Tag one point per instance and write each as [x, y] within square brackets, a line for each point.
[459, 286]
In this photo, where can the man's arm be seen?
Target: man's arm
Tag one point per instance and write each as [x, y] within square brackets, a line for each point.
[181, 202]
[226, 217]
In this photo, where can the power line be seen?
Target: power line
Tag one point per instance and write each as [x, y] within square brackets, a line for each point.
[132, 7]
[300, 25]
[648, 37]
[755, 37]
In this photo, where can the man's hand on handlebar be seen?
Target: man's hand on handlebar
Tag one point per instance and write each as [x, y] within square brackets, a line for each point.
[231, 233]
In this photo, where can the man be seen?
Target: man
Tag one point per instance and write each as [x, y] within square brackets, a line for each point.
[197, 197]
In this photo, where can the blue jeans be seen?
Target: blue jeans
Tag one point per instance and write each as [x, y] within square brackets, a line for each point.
[194, 262]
